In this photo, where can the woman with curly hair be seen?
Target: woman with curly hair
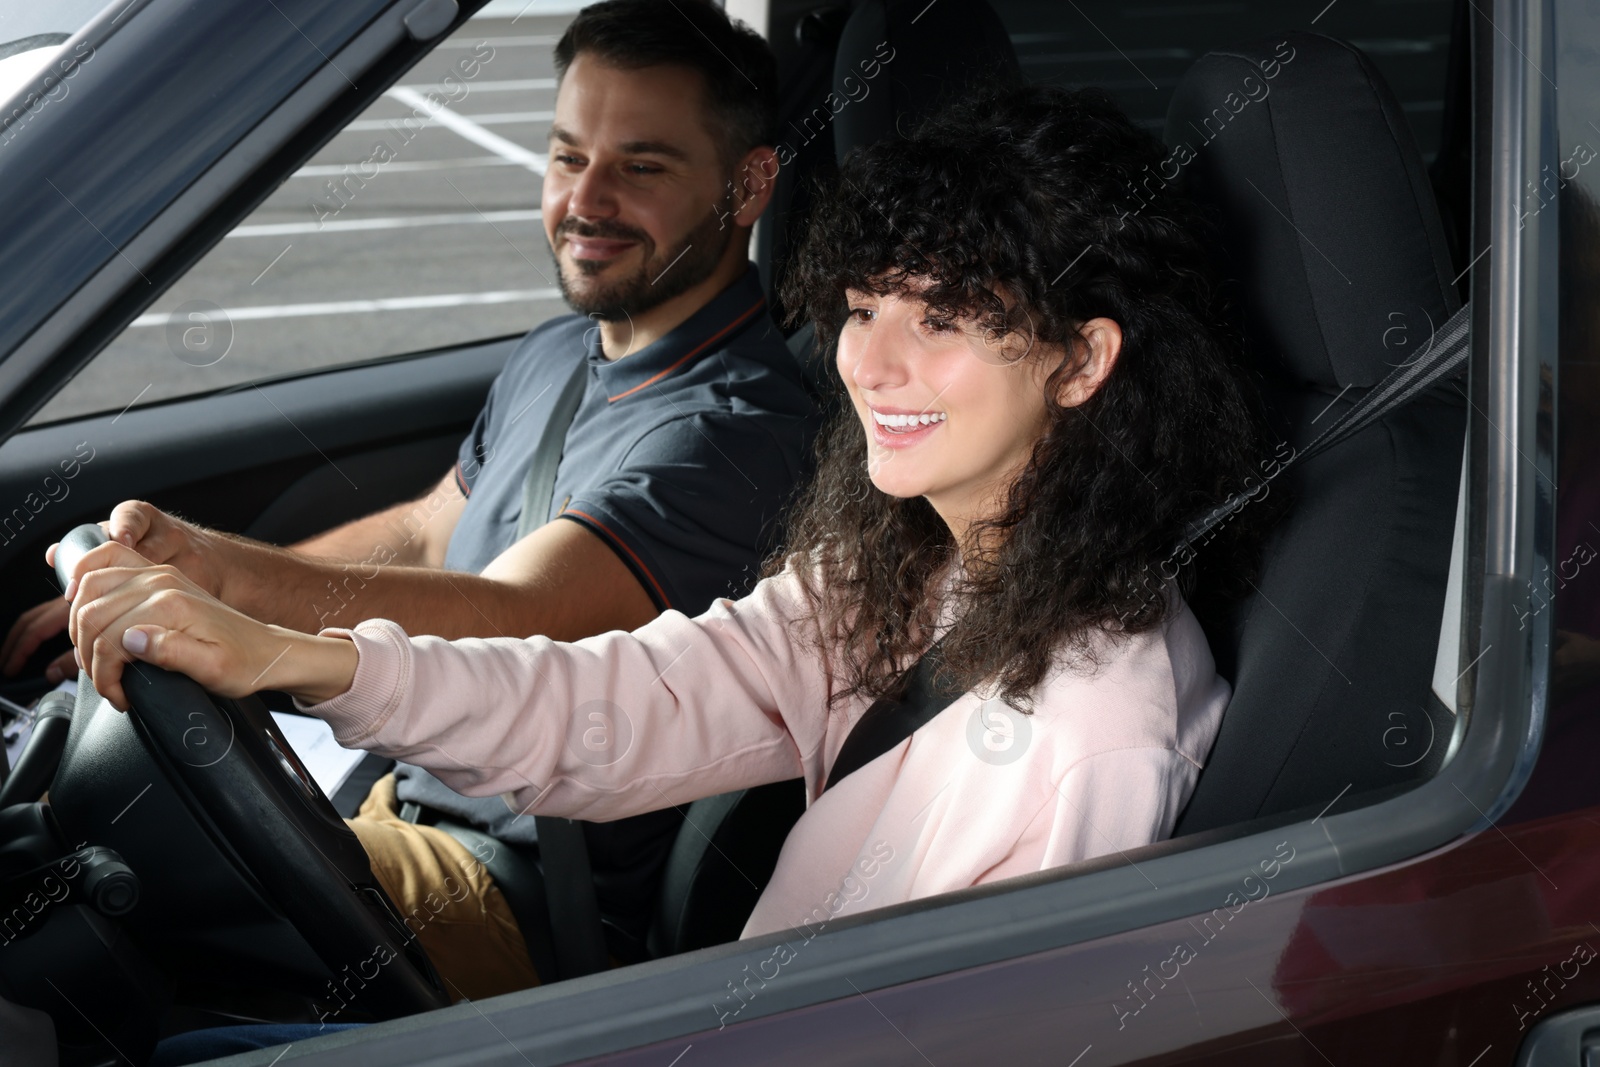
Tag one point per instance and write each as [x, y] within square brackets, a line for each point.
[1035, 397]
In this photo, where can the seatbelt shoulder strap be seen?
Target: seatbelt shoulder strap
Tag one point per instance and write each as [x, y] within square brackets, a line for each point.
[1400, 386]
[539, 486]
[889, 721]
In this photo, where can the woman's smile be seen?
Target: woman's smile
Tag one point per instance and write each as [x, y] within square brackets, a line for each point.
[902, 429]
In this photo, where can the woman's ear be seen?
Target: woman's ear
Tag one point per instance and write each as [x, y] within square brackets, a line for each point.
[1096, 348]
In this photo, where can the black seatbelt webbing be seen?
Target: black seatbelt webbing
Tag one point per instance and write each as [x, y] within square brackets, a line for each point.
[1447, 353]
[577, 936]
[889, 722]
[539, 487]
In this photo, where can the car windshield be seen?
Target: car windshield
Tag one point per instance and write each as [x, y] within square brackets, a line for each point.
[33, 34]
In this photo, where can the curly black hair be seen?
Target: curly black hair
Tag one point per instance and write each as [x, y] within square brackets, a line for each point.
[1028, 210]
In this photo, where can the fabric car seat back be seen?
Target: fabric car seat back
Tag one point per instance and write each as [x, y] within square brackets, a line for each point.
[1330, 236]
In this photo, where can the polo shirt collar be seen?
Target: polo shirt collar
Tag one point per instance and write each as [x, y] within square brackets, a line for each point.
[704, 332]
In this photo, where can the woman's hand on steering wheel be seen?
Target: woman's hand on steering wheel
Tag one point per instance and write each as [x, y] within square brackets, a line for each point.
[124, 608]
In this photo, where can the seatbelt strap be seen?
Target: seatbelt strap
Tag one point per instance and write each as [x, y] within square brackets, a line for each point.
[577, 936]
[888, 722]
[539, 487]
[576, 933]
[1447, 353]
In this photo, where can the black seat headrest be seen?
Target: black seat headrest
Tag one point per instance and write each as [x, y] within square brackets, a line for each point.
[895, 63]
[923, 55]
[1331, 270]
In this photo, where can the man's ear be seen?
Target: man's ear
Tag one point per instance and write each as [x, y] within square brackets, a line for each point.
[754, 179]
[1094, 351]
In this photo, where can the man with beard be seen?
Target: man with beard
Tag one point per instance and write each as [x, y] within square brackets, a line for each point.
[689, 428]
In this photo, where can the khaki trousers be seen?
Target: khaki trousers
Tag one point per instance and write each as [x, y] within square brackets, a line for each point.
[447, 899]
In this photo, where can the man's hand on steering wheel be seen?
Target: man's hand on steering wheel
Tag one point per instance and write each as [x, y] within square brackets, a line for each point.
[163, 538]
[153, 534]
[124, 607]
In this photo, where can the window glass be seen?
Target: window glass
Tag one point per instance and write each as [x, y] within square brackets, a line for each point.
[1138, 52]
[33, 37]
[416, 227]
[27, 25]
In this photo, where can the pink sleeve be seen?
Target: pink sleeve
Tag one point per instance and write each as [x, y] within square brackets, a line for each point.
[613, 725]
[1117, 800]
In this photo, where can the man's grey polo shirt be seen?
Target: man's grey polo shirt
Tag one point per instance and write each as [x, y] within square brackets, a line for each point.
[681, 457]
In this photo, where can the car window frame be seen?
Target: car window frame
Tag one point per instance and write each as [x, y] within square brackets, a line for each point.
[221, 182]
[1501, 693]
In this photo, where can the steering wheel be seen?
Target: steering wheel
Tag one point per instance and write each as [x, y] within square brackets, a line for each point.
[226, 762]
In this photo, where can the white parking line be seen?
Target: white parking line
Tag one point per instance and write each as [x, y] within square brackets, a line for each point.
[388, 222]
[360, 307]
[334, 170]
[471, 130]
[515, 85]
[494, 118]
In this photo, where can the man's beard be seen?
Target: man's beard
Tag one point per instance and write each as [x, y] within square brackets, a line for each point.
[660, 278]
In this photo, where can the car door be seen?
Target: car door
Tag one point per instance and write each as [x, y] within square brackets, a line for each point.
[1297, 920]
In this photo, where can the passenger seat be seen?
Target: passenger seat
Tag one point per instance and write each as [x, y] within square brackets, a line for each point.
[1329, 230]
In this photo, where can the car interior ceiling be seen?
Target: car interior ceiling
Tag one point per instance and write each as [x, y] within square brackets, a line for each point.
[1348, 621]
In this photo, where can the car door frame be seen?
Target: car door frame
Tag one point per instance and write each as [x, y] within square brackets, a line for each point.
[1501, 692]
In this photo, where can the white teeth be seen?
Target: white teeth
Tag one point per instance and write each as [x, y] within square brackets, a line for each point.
[902, 421]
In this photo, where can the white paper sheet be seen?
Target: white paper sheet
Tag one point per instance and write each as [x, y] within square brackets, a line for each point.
[312, 740]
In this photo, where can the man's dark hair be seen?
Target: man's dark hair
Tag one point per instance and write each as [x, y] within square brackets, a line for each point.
[737, 68]
[1023, 210]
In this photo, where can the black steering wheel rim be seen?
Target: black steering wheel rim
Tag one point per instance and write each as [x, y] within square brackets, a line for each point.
[241, 780]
